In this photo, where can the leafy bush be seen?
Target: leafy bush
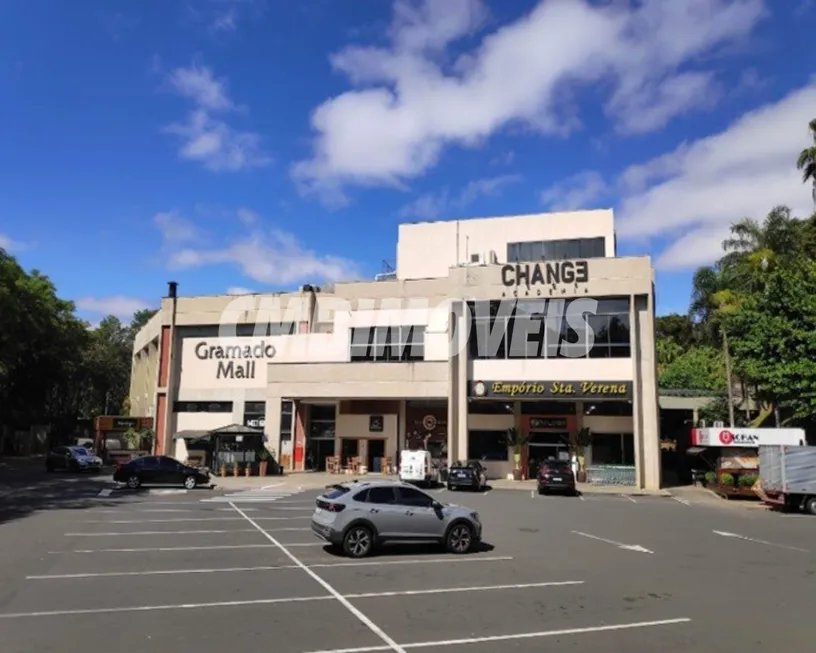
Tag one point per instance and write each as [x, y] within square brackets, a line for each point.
[710, 478]
[747, 480]
[726, 479]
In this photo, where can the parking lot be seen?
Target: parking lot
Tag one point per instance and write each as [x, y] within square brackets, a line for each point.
[206, 571]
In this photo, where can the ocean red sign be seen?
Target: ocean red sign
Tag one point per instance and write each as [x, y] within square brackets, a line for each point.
[726, 437]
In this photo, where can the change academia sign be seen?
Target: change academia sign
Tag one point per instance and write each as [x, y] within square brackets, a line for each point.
[552, 389]
[229, 359]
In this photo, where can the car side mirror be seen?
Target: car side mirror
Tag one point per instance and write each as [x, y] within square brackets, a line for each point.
[436, 505]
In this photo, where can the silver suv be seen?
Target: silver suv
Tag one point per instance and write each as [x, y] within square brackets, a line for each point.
[357, 516]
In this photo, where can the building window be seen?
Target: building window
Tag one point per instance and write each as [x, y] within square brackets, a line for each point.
[609, 409]
[255, 414]
[322, 422]
[287, 411]
[556, 250]
[388, 344]
[202, 407]
[487, 445]
[490, 408]
[613, 449]
[514, 329]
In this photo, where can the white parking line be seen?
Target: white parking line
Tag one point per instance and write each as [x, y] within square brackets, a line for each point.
[186, 548]
[164, 510]
[105, 493]
[685, 502]
[148, 608]
[213, 532]
[299, 599]
[320, 565]
[514, 636]
[236, 530]
[626, 496]
[374, 628]
[447, 590]
[185, 519]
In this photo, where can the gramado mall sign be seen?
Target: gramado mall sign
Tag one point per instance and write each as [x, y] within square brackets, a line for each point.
[235, 361]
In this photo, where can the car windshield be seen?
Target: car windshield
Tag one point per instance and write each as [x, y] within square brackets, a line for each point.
[80, 451]
[337, 492]
[556, 465]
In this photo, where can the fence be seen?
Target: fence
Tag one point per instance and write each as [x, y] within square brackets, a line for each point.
[611, 475]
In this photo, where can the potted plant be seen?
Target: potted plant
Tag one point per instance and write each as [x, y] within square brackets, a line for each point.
[710, 478]
[236, 467]
[247, 469]
[517, 439]
[222, 470]
[263, 465]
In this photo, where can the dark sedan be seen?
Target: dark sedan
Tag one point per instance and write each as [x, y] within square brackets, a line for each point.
[557, 476]
[160, 470]
[468, 475]
[74, 459]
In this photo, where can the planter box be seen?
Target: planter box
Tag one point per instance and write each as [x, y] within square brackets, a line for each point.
[729, 491]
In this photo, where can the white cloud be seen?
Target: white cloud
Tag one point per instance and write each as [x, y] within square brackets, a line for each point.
[432, 205]
[694, 193]
[238, 290]
[412, 101]
[205, 136]
[118, 305]
[175, 227]
[577, 192]
[503, 159]
[269, 256]
[9, 244]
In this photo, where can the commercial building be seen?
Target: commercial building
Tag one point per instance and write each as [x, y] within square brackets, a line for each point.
[472, 335]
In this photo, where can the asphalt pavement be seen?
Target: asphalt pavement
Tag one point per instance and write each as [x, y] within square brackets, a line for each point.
[91, 567]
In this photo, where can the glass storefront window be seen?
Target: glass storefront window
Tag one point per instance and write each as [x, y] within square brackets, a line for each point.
[613, 449]
[487, 445]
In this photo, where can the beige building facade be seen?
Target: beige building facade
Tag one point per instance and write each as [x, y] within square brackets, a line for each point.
[529, 323]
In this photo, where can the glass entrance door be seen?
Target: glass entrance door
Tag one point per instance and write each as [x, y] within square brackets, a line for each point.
[543, 446]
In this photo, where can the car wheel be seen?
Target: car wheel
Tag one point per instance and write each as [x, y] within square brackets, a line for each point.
[460, 538]
[358, 542]
[450, 488]
[190, 482]
[133, 481]
[810, 506]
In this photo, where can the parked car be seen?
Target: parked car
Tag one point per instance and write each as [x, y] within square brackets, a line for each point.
[557, 476]
[358, 517]
[470, 475]
[74, 459]
[160, 470]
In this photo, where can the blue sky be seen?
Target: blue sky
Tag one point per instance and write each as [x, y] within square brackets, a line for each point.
[262, 144]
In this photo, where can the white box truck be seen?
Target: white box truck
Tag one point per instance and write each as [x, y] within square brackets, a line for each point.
[787, 477]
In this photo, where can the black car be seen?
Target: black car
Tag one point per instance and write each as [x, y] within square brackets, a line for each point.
[556, 475]
[74, 459]
[160, 470]
[467, 474]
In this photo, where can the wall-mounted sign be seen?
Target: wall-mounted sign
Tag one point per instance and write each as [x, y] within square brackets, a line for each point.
[255, 421]
[125, 423]
[552, 389]
[551, 272]
[229, 362]
[375, 424]
[234, 361]
[548, 423]
[745, 437]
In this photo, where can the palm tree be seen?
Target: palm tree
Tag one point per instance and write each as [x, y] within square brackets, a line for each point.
[807, 160]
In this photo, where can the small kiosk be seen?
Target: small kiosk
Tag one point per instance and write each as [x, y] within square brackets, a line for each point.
[732, 455]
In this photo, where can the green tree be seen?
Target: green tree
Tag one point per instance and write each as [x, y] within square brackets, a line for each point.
[776, 342]
[698, 368]
[807, 160]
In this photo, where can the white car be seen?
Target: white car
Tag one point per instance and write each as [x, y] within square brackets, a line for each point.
[418, 467]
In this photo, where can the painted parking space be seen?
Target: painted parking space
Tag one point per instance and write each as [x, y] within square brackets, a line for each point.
[554, 571]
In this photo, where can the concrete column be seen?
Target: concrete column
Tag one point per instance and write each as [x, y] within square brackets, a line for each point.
[637, 417]
[649, 411]
[401, 431]
[695, 417]
[272, 426]
[462, 381]
[453, 383]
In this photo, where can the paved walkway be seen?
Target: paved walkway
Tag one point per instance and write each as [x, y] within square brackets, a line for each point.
[312, 480]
